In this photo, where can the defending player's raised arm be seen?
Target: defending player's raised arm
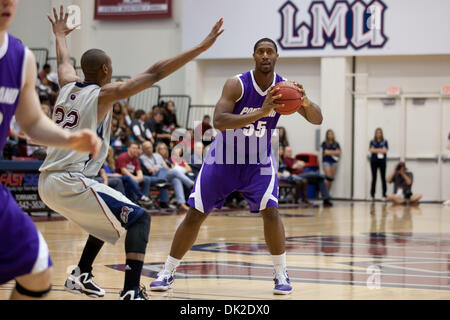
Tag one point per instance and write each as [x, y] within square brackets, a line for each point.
[43, 130]
[122, 90]
[309, 110]
[223, 113]
[66, 72]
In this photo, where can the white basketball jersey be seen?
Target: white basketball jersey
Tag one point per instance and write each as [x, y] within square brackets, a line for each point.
[77, 108]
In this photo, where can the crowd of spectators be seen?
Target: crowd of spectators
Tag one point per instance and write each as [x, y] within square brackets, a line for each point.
[144, 157]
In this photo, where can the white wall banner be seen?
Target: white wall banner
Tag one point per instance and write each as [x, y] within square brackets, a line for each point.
[308, 28]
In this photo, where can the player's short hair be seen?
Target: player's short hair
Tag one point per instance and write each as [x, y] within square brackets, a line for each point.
[46, 66]
[265, 40]
[92, 61]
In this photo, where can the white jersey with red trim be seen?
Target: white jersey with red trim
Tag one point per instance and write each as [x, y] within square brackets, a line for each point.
[76, 108]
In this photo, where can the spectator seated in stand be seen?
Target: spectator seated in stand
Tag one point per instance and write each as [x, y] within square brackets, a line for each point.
[47, 85]
[153, 168]
[108, 176]
[170, 118]
[137, 186]
[156, 126]
[285, 178]
[140, 132]
[176, 178]
[402, 180]
[295, 167]
[206, 131]
[180, 164]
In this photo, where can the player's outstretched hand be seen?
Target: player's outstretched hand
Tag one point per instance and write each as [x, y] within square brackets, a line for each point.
[213, 35]
[269, 102]
[85, 141]
[59, 25]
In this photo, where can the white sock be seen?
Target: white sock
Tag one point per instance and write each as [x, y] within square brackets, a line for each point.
[171, 264]
[279, 263]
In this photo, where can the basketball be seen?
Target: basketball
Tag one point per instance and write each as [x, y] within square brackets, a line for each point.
[291, 97]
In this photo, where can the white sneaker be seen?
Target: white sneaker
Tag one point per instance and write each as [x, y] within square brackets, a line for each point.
[83, 284]
[164, 281]
[282, 284]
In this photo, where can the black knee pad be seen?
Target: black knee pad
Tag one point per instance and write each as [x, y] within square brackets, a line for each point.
[137, 235]
[33, 294]
[329, 178]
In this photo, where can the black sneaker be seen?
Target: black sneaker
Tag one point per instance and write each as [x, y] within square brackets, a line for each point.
[136, 294]
[145, 202]
[327, 203]
[84, 284]
[167, 206]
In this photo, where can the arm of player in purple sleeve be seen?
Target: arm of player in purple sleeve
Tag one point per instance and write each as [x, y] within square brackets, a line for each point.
[224, 118]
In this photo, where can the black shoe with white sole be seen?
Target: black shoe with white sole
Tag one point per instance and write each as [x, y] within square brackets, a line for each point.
[136, 294]
[84, 284]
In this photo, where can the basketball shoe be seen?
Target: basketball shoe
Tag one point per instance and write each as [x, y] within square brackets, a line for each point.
[136, 294]
[282, 284]
[84, 284]
[164, 281]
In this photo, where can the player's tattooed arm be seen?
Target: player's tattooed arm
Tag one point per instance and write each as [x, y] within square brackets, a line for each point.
[223, 113]
[309, 110]
[66, 72]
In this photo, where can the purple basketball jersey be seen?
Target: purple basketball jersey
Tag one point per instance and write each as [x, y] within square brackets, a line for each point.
[12, 56]
[251, 144]
[23, 249]
[240, 160]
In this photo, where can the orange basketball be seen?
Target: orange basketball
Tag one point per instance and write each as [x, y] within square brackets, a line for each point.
[291, 97]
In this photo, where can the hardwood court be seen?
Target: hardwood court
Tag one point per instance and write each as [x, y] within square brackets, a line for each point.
[351, 251]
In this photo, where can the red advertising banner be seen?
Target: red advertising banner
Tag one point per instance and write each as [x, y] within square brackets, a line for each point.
[132, 9]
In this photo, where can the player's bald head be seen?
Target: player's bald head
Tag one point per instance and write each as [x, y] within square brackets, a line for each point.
[93, 62]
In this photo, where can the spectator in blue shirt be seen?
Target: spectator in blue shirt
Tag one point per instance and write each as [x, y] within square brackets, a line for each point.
[378, 150]
[331, 151]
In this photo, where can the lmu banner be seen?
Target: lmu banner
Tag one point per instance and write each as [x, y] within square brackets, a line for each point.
[132, 9]
[321, 28]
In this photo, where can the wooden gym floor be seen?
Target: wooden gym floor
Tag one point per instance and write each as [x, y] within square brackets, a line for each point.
[350, 251]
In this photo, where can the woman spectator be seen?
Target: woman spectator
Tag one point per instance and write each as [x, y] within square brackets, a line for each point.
[170, 118]
[163, 150]
[178, 163]
[176, 177]
[378, 149]
[331, 151]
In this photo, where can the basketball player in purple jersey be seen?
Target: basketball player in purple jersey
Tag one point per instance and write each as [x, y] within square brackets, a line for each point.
[24, 253]
[244, 113]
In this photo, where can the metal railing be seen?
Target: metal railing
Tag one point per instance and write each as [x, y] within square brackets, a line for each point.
[41, 55]
[196, 114]
[146, 99]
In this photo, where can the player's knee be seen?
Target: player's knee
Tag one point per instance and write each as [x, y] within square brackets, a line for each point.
[270, 214]
[194, 217]
[36, 285]
[137, 235]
